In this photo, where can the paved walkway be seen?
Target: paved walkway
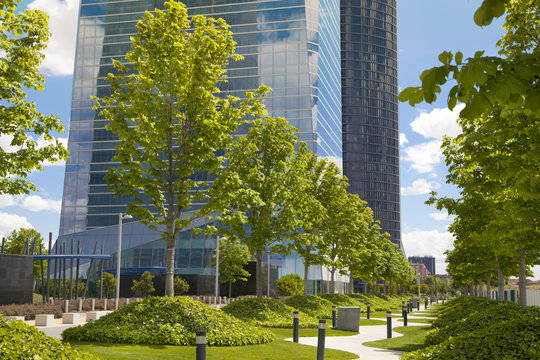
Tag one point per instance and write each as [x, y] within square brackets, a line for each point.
[354, 343]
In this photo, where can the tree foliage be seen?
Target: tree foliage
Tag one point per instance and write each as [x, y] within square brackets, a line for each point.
[169, 119]
[23, 35]
[109, 284]
[233, 256]
[20, 242]
[145, 285]
[181, 286]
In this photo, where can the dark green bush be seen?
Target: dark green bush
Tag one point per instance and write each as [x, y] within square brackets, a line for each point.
[20, 341]
[479, 319]
[173, 321]
[312, 305]
[267, 312]
[507, 340]
[343, 300]
[290, 285]
[180, 286]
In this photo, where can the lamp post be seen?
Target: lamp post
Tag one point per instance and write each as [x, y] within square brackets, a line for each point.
[218, 239]
[119, 256]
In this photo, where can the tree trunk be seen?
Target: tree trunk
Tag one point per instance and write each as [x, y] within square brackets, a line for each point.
[481, 289]
[169, 272]
[385, 290]
[488, 287]
[522, 279]
[391, 291]
[259, 274]
[306, 268]
[230, 288]
[500, 284]
[471, 290]
[332, 281]
[466, 290]
[476, 290]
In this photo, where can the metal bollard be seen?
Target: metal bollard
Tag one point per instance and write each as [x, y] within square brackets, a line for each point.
[80, 305]
[405, 318]
[93, 304]
[66, 306]
[200, 342]
[295, 326]
[320, 341]
[418, 305]
[368, 310]
[425, 305]
[388, 324]
[334, 316]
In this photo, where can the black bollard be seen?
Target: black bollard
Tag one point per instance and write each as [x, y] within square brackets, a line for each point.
[368, 310]
[388, 324]
[430, 301]
[295, 326]
[334, 316]
[418, 304]
[405, 318]
[425, 305]
[200, 343]
[320, 341]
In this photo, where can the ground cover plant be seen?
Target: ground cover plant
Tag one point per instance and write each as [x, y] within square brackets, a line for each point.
[267, 312]
[172, 321]
[312, 305]
[412, 339]
[278, 349]
[343, 300]
[20, 341]
[377, 303]
[476, 328]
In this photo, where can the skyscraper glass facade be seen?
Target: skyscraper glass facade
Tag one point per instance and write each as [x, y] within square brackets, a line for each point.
[290, 45]
[370, 107]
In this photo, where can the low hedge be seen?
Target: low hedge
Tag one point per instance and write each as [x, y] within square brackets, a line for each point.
[312, 305]
[343, 300]
[268, 312]
[168, 321]
[20, 341]
[513, 339]
[481, 318]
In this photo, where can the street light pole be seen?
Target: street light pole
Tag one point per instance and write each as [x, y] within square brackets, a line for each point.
[119, 257]
[217, 268]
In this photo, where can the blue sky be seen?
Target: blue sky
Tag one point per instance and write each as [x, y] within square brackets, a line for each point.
[425, 29]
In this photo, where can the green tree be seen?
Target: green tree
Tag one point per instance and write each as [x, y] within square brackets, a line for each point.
[180, 286]
[16, 244]
[145, 285]
[23, 35]
[496, 156]
[170, 121]
[109, 284]
[257, 193]
[233, 256]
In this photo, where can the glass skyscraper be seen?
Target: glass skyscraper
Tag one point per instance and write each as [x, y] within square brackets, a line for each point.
[370, 107]
[290, 45]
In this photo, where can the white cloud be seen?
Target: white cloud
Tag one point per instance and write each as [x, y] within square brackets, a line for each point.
[424, 156]
[60, 52]
[438, 122]
[428, 243]
[419, 187]
[37, 203]
[10, 222]
[33, 203]
[439, 216]
[403, 139]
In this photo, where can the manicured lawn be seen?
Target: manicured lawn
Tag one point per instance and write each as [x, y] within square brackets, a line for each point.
[412, 339]
[418, 321]
[278, 349]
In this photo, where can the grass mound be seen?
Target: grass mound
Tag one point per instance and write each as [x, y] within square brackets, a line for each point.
[312, 305]
[343, 300]
[267, 312]
[377, 303]
[172, 321]
[20, 341]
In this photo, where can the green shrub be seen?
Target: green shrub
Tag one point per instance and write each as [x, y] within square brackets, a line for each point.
[172, 321]
[343, 300]
[267, 312]
[312, 305]
[461, 307]
[20, 341]
[377, 304]
[513, 339]
[145, 285]
[180, 286]
[290, 285]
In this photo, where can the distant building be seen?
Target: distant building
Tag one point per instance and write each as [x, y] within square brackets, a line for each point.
[428, 261]
[422, 271]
